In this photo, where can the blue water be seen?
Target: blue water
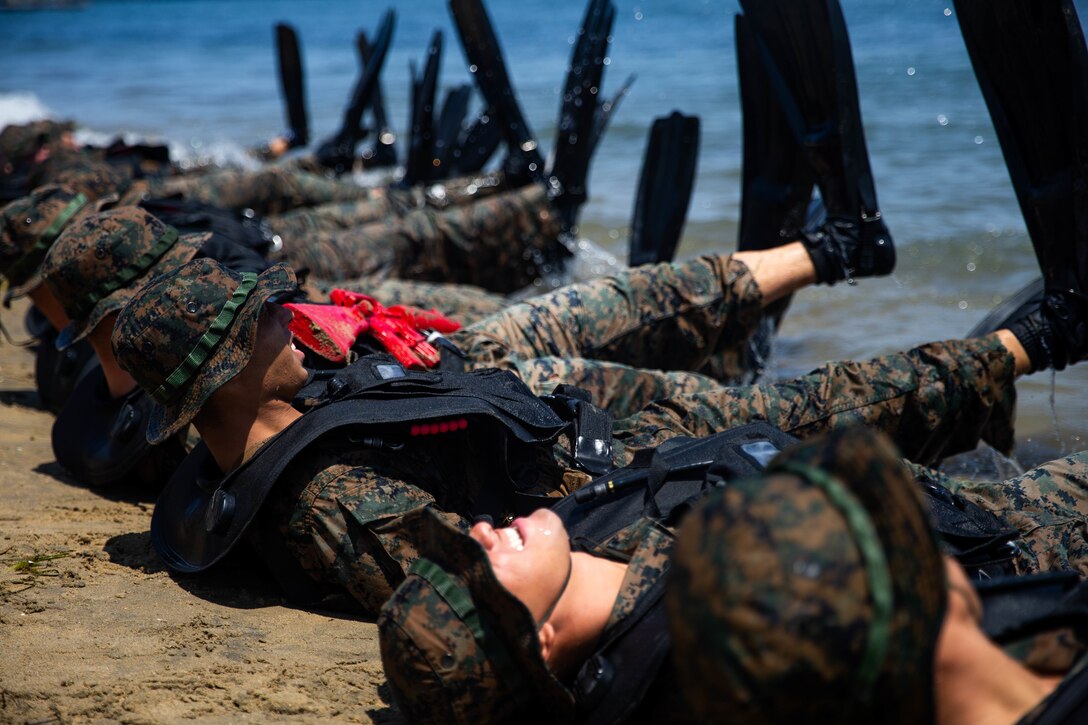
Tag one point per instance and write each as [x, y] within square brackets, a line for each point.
[200, 74]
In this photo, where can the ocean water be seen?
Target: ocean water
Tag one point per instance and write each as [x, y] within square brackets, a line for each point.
[200, 75]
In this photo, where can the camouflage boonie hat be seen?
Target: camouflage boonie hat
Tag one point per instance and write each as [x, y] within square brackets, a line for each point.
[189, 331]
[457, 647]
[99, 263]
[82, 172]
[812, 594]
[28, 228]
[19, 141]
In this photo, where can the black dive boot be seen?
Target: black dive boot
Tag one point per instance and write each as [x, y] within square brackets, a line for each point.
[806, 57]
[1032, 66]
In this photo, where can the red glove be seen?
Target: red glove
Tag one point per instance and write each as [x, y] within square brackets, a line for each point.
[331, 330]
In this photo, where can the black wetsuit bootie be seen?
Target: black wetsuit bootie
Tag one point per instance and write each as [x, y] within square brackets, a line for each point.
[1055, 333]
[844, 249]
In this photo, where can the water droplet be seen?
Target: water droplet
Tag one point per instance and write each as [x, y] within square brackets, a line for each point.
[971, 267]
[942, 119]
[962, 305]
[613, 233]
[472, 68]
[607, 61]
[947, 12]
[978, 140]
[638, 15]
[910, 71]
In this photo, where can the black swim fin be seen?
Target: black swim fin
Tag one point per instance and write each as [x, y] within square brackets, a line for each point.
[1032, 65]
[806, 56]
[807, 60]
[478, 144]
[664, 189]
[606, 109]
[448, 130]
[777, 181]
[488, 67]
[292, 83]
[421, 139]
[574, 137]
[383, 152]
[337, 153]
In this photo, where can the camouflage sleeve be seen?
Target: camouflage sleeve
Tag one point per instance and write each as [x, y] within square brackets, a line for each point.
[664, 316]
[1048, 505]
[344, 523]
[934, 401]
[271, 190]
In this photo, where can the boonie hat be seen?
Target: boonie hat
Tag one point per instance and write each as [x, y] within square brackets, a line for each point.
[456, 645]
[812, 594]
[189, 331]
[28, 228]
[101, 260]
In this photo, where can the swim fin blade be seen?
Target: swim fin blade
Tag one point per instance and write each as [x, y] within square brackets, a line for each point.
[807, 60]
[384, 152]
[574, 137]
[448, 130]
[421, 141]
[777, 182]
[1032, 65]
[292, 83]
[338, 152]
[478, 144]
[664, 189]
[488, 68]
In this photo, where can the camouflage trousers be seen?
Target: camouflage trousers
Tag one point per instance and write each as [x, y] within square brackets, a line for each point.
[1048, 505]
[299, 225]
[495, 243]
[271, 190]
[628, 339]
[933, 401]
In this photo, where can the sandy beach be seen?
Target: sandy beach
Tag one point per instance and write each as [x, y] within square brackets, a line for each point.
[99, 631]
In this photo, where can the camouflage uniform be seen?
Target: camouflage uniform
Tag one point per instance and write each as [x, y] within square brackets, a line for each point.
[30, 226]
[496, 243]
[303, 223]
[458, 647]
[629, 339]
[343, 521]
[812, 594]
[1048, 505]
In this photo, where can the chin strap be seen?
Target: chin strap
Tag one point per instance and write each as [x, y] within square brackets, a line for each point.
[563, 590]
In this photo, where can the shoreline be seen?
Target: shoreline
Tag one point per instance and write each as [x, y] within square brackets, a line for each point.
[104, 633]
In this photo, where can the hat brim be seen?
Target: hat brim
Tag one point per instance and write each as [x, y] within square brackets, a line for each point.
[235, 348]
[181, 252]
[462, 557]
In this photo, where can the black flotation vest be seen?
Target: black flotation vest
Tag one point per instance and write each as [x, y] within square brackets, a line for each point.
[56, 372]
[375, 401]
[100, 440]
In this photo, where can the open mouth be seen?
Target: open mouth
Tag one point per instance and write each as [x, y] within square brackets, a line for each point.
[513, 538]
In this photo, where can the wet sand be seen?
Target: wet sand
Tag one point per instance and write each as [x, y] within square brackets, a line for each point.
[104, 633]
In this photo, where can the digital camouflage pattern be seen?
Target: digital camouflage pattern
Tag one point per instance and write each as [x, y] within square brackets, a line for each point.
[457, 647]
[338, 521]
[96, 179]
[100, 261]
[20, 141]
[298, 225]
[1049, 506]
[172, 318]
[495, 243]
[779, 613]
[664, 317]
[270, 190]
[30, 225]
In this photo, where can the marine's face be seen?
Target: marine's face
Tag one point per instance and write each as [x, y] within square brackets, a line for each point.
[531, 558]
[275, 354]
